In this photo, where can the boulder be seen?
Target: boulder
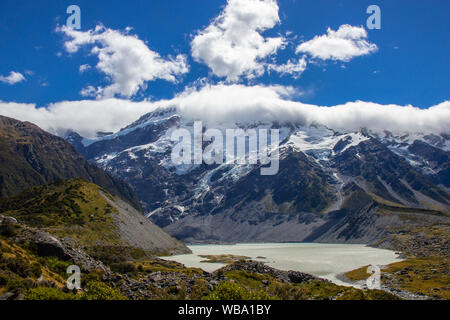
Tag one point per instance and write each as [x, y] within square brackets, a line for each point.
[48, 245]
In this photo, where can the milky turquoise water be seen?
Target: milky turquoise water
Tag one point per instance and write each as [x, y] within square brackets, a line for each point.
[323, 260]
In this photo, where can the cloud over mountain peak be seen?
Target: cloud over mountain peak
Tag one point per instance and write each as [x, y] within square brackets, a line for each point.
[229, 104]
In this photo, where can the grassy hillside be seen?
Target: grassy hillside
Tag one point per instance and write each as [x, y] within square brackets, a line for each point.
[100, 222]
[26, 275]
[29, 156]
[69, 208]
[423, 236]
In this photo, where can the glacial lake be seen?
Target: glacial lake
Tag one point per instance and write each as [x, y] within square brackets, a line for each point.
[322, 260]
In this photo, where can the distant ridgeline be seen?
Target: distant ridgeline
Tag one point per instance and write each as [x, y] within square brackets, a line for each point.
[29, 156]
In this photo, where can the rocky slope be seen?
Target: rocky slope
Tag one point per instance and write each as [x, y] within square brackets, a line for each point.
[81, 211]
[424, 273]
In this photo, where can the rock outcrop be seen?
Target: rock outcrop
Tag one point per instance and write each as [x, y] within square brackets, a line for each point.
[47, 245]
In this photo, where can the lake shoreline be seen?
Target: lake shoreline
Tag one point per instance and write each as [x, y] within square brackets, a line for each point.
[325, 260]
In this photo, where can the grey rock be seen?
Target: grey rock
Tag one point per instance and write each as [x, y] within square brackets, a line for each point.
[7, 296]
[49, 245]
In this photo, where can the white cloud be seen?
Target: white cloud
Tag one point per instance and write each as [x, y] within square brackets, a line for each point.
[90, 91]
[12, 78]
[85, 117]
[84, 67]
[344, 44]
[239, 103]
[232, 45]
[125, 59]
[228, 104]
[294, 68]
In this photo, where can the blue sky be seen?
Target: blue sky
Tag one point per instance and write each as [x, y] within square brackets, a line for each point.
[410, 65]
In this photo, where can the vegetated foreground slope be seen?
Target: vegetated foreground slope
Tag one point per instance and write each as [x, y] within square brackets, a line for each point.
[29, 156]
[33, 267]
[98, 221]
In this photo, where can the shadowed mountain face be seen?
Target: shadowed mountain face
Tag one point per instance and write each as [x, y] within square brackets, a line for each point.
[29, 156]
[436, 160]
[331, 186]
[389, 176]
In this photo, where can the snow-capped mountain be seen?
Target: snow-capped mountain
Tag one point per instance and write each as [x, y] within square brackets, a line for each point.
[329, 184]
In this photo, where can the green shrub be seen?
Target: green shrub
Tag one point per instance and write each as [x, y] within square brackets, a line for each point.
[56, 265]
[116, 254]
[19, 266]
[94, 275]
[16, 285]
[3, 280]
[97, 290]
[137, 253]
[232, 291]
[44, 293]
[123, 267]
[8, 230]
[28, 283]
[30, 246]
[36, 269]
[6, 249]
[107, 254]
[199, 289]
